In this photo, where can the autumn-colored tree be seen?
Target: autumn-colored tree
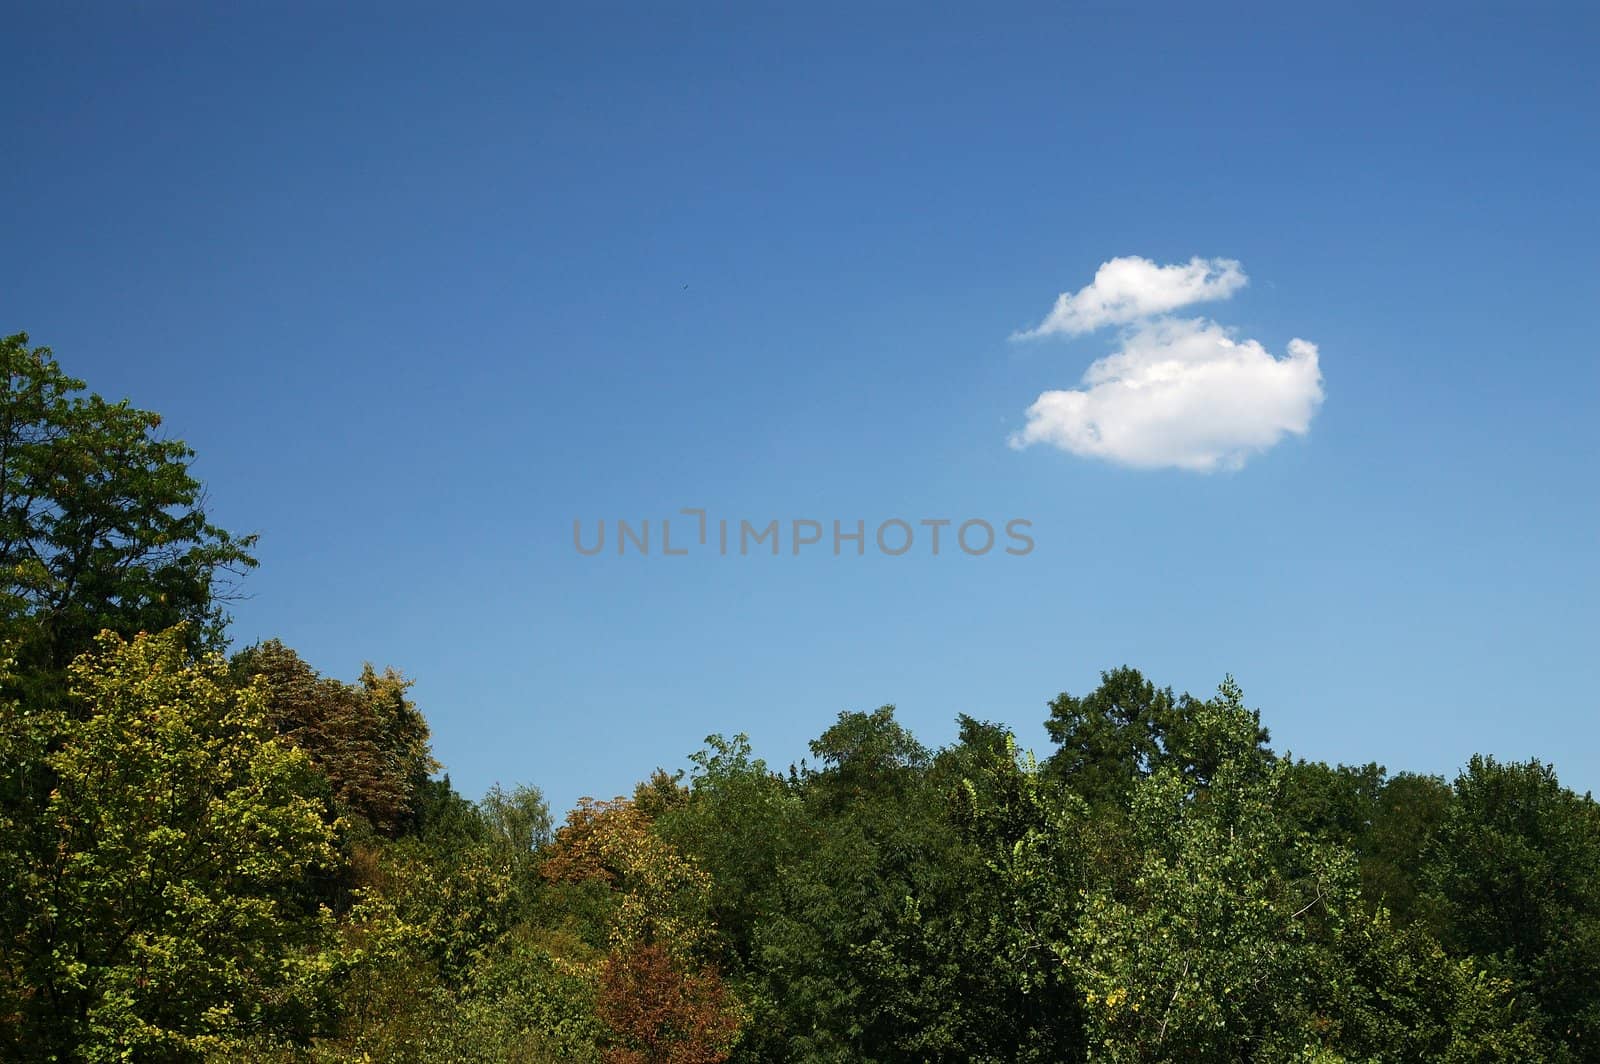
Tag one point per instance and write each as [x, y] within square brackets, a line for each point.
[660, 999]
[368, 737]
[663, 897]
[584, 844]
[662, 1012]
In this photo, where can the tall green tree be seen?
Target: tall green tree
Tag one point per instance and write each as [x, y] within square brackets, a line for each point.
[1333, 803]
[1513, 877]
[101, 524]
[1205, 953]
[1007, 903]
[811, 874]
[743, 824]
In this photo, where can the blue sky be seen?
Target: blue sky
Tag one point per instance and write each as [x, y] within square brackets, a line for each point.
[423, 287]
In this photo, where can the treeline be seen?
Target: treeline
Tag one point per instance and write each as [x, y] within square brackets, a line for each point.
[233, 858]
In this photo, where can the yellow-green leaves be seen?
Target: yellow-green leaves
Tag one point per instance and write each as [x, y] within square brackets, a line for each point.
[168, 912]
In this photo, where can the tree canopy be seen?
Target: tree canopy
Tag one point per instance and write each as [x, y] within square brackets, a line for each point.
[101, 524]
[205, 859]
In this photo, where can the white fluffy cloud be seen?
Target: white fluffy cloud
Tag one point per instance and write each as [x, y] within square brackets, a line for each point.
[1180, 393]
[1127, 289]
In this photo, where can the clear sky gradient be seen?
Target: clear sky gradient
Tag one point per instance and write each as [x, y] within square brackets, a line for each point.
[423, 287]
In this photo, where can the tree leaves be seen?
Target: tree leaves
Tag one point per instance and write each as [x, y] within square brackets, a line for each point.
[101, 524]
[165, 910]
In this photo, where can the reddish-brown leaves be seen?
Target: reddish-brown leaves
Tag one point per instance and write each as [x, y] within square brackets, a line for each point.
[661, 1012]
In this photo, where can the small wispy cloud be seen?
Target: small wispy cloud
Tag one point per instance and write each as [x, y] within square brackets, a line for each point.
[1130, 288]
[1180, 393]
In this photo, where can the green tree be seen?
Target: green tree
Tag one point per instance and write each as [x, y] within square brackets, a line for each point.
[742, 823]
[1125, 730]
[1240, 936]
[891, 904]
[517, 823]
[156, 906]
[1406, 817]
[101, 524]
[1513, 877]
[1011, 896]
[1332, 803]
[1205, 955]
[865, 755]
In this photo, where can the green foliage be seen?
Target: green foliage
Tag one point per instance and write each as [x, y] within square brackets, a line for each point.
[1110, 739]
[743, 824]
[156, 904]
[890, 904]
[1513, 876]
[1127, 729]
[1405, 819]
[1022, 850]
[868, 911]
[866, 755]
[1207, 953]
[1337, 804]
[517, 824]
[1240, 937]
[846, 907]
[522, 1003]
[101, 525]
